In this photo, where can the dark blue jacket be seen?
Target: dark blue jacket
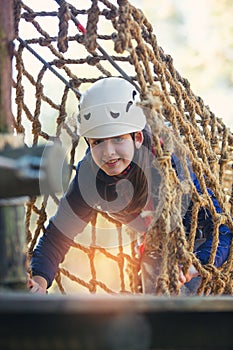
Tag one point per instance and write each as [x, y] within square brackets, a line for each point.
[92, 190]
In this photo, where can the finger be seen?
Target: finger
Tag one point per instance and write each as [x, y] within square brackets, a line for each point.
[30, 283]
[182, 277]
[36, 289]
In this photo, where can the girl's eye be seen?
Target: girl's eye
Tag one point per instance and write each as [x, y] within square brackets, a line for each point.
[95, 142]
[117, 139]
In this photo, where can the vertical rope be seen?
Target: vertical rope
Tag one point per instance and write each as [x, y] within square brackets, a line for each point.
[121, 258]
[166, 95]
[36, 125]
[64, 17]
[91, 29]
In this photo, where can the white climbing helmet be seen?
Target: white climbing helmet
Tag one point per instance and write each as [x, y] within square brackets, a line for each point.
[109, 108]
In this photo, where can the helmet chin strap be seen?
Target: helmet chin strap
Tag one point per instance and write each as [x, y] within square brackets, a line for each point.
[85, 138]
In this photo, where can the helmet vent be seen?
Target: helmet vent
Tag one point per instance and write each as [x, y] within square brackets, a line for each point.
[129, 104]
[134, 94]
[115, 115]
[87, 116]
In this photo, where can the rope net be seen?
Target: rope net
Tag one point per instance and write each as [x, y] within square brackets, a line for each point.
[64, 60]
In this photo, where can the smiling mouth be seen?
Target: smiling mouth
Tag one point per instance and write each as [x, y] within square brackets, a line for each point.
[112, 162]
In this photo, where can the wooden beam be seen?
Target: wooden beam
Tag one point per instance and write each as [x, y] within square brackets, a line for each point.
[143, 322]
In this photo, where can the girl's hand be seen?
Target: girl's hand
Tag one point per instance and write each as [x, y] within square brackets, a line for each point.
[37, 284]
[192, 272]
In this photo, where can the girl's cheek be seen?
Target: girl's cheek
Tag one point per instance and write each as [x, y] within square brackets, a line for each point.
[96, 156]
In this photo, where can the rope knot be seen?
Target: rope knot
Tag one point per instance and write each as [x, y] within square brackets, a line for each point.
[109, 14]
[29, 17]
[75, 83]
[44, 41]
[152, 98]
[92, 61]
[59, 63]
[80, 38]
[92, 286]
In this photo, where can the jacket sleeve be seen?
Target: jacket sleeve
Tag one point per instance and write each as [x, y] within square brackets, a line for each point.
[71, 218]
[49, 253]
[205, 224]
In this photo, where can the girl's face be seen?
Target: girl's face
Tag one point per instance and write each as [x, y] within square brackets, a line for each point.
[114, 154]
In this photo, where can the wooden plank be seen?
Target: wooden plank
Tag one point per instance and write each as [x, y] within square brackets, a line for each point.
[12, 243]
[88, 303]
[115, 322]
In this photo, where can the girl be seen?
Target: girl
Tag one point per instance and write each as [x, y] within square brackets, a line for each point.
[114, 177]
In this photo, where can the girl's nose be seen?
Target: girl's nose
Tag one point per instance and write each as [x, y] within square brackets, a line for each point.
[108, 148]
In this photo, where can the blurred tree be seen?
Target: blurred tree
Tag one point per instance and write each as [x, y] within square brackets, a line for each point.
[199, 36]
[222, 16]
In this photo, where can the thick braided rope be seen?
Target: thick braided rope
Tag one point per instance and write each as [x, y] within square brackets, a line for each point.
[64, 17]
[166, 95]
